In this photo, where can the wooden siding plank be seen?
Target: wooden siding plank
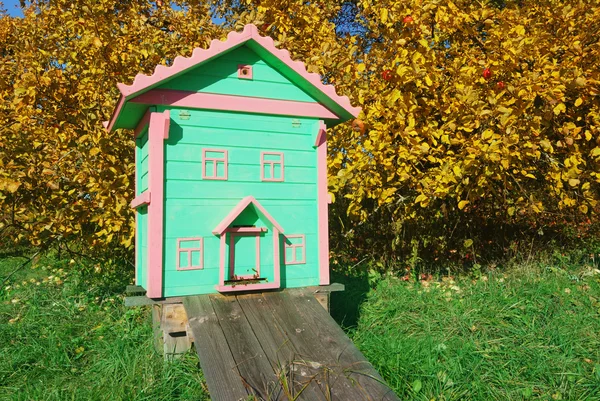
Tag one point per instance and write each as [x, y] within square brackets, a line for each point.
[192, 171]
[241, 138]
[326, 369]
[213, 189]
[255, 368]
[332, 337]
[216, 360]
[249, 122]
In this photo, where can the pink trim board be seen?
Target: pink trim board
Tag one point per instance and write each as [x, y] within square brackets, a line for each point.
[142, 124]
[322, 199]
[270, 164]
[141, 200]
[213, 101]
[158, 131]
[239, 208]
[143, 83]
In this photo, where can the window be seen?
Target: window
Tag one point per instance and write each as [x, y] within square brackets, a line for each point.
[271, 166]
[295, 249]
[190, 253]
[214, 164]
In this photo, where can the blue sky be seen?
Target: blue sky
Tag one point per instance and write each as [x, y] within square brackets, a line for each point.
[13, 7]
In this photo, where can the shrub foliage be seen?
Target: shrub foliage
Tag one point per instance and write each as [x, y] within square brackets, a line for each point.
[481, 119]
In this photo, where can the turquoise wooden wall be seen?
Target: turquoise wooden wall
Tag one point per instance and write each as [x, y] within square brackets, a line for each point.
[194, 207]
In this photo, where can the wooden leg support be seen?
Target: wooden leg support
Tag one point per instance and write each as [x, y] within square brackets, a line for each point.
[172, 336]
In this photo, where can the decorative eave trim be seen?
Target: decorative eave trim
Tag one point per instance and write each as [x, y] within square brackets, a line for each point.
[213, 101]
[240, 207]
[181, 64]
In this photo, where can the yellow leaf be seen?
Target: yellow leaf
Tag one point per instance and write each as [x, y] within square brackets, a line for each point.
[511, 211]
[578, 102]
[384, 14]
[588, 135]
[361, 67]
[462, 204]
[468, 243]
[457, 171]
[583, 209]
[487, 134]
[560, 108]
[428, 80]
[573, 182]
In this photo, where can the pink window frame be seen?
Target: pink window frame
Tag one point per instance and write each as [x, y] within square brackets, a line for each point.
[302, 246]
[189, 252]
[271, 163]
[215, 160]
[232, 236]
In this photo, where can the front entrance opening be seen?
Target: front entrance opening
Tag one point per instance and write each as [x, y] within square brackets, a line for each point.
[244, 256]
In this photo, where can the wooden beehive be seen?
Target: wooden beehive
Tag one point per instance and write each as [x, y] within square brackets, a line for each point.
[231, 169]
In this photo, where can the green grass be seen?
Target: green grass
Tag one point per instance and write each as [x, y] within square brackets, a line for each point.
[70, 338]
[531, 333]
[527, 333]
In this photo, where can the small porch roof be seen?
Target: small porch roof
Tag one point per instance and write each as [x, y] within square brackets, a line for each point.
[245, 203]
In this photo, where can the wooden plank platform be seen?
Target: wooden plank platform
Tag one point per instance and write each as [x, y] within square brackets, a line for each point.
[278, 346]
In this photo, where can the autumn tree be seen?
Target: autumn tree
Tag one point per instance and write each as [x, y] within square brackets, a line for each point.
[62, 176]
[481, 119]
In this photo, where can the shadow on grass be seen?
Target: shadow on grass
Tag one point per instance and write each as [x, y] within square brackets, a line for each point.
[345, 305]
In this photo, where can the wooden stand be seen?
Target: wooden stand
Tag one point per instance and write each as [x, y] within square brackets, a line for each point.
[172, 334]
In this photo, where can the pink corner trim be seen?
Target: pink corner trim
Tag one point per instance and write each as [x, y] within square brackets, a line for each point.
[159, 123]
[322, 199]
[244, 71]
[223, 245]
[142, 124]
[180, 65]
[189, 254]
[213, 101]
[271, 165]
[215, 161]
[239, 208]
[141, 200]
[293, 247]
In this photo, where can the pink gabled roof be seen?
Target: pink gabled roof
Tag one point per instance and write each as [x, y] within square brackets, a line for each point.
[240, 207]
[143, 83]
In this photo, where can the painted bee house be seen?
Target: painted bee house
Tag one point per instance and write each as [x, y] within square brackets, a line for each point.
[231, 169]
